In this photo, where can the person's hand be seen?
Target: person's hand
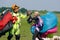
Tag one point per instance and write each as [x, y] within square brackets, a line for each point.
[14, 19]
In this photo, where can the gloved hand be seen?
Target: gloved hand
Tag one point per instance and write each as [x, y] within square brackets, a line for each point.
[14, 19]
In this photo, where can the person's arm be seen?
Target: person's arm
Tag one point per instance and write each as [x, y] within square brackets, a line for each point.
[14, 18]
[29, 20]
[22, 15]
[36, 19]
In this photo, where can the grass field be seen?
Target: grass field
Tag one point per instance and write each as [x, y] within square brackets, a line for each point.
[25, 30]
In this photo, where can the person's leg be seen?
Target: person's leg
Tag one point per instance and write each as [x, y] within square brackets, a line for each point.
[11, 33]
[39, 36]
[35, 34]
[10, 36]
[17, 34]
[17, 37]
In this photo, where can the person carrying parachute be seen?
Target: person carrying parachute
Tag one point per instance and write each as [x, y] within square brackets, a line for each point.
[49, 24]
[38, 23]
[16, 26]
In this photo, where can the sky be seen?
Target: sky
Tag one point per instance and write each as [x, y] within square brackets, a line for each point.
[50, 5]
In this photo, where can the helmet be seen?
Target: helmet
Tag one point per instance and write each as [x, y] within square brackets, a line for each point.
[14, 5]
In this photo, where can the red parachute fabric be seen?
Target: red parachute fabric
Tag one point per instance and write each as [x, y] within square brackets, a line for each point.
[7, 17]
[51, 31]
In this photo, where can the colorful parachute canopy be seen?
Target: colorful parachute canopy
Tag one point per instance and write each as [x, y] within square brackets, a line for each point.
[32, 29]
[5, 22]
[6, 18]
[49, 20]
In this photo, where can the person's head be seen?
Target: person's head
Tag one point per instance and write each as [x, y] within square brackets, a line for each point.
[36, 14]
[15, 8]
[29, 13]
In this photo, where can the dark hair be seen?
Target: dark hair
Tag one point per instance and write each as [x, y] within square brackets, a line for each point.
[28, 13]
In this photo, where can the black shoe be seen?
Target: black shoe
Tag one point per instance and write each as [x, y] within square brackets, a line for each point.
[17, 37]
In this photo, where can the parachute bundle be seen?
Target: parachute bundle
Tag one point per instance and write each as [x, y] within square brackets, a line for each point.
[5, 22]
[50, 21]
[50, 24]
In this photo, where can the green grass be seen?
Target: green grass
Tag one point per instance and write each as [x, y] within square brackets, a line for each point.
[25, 30]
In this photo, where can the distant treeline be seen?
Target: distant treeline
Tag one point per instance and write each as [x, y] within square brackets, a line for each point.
[24, 10]
[4, 8]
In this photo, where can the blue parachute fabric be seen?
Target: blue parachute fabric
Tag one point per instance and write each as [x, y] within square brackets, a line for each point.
[32, 29]
[49, 20]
